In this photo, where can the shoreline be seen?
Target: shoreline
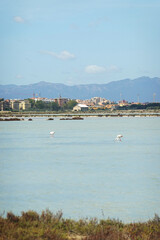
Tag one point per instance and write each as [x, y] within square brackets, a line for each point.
[129, 113]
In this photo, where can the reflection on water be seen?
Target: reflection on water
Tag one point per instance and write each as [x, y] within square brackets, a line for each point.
[82, 169]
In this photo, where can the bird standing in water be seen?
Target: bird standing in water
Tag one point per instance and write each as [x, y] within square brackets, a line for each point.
[52, 133]
[119, 138]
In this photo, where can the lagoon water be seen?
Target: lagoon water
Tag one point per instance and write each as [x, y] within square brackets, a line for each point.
[82, 170]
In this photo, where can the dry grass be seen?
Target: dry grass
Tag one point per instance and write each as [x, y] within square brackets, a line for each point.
[48, 226]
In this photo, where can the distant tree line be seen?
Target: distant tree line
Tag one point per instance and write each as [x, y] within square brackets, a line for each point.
[140, 106]
[51, 106]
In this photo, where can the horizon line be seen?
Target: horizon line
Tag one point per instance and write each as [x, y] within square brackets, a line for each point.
[131, 79]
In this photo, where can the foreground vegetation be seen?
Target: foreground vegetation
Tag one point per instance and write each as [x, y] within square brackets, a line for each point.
[48, 226]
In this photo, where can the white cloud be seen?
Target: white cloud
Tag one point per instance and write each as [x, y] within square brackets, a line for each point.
[94, 69]
[64, 55]
[18, 19]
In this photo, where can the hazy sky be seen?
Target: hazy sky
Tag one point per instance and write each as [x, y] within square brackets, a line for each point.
[78, 41]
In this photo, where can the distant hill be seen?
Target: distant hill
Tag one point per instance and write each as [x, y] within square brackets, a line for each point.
[141, 88]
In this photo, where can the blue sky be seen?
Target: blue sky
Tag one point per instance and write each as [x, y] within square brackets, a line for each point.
[78, 42]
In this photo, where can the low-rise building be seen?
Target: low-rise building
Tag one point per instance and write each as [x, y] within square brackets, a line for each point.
[61, 101]
[123, 103]
[4, 105]
[96, 100]
[20, 104]
[25, 104]
[14, 104]
[80, 107]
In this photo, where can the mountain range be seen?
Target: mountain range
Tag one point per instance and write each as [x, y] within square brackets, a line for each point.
[143, 89]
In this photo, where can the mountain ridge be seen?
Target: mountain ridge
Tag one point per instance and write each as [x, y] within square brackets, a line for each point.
[141, 88]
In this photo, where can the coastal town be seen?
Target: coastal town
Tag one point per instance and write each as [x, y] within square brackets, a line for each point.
[56, 104]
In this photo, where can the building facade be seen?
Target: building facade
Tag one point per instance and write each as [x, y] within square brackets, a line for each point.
[5, 105]
[61, 101]
[20, 104]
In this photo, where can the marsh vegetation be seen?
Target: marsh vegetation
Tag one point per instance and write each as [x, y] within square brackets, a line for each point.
[48, 226]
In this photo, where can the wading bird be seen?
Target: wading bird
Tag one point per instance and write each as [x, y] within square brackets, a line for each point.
[118, 138]
[52, 133]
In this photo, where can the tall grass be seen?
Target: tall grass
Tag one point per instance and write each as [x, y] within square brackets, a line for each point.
[49, 226]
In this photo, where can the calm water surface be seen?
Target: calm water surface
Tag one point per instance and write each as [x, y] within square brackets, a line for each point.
[82, 170]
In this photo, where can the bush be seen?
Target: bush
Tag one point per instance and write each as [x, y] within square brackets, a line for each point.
[30, 216]
[12, 218]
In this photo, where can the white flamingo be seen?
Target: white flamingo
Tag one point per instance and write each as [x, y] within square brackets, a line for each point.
[119, 137]
[52, 133]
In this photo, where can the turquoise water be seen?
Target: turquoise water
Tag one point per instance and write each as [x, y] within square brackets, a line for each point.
[82, 170]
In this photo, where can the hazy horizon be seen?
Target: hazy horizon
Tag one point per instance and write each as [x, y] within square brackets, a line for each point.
[82, 83]
[85, 42]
